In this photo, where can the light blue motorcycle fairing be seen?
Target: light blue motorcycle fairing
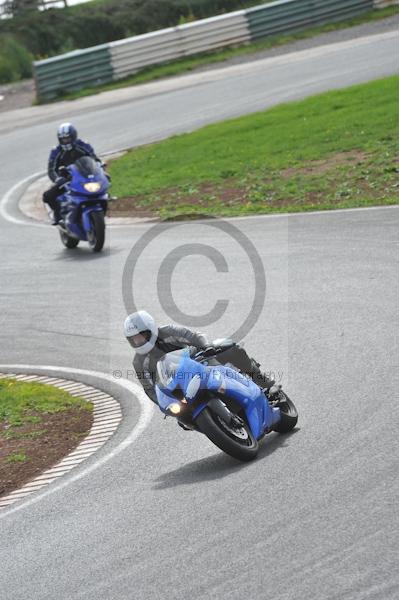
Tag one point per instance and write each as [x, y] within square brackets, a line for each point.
[163, 399]
[227, 382]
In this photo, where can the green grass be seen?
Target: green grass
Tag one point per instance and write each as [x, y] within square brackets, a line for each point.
[17, 457]
[189, 64]
[22, 403]
[339, 149]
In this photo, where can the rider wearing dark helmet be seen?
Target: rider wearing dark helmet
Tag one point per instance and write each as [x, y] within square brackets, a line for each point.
[70, 148]
[151, 342]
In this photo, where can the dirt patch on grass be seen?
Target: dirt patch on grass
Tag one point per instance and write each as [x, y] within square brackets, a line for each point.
[349, 177]
[129, 207]
[319, 167]
[202, 197]
[30, 449]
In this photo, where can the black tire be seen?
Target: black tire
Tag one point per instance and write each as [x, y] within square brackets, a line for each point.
[289, 414]
[97, 238]
[67, 240]
[212, 426]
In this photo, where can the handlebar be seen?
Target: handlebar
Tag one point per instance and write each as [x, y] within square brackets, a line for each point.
[207, 353]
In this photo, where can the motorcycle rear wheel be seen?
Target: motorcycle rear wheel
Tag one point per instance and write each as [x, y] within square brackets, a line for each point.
[289, 414]
[67, 240]
[97, 237]
[241, 445]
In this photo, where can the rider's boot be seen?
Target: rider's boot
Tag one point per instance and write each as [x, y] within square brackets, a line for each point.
[183, 426]
[260, 378]
[275, 393]
[272, 389]
[56, 216]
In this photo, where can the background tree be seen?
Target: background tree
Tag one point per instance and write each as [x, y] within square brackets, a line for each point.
[19, 7]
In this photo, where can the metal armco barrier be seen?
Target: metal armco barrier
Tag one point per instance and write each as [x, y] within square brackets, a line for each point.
[219, 32]
[293, 15]
[130, 55]
[73, 71]
[109, 62]
[385, 3]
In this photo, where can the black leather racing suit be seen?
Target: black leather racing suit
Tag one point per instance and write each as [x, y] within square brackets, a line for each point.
[172, 337]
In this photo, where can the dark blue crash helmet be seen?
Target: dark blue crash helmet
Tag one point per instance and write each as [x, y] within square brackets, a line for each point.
[67, 136]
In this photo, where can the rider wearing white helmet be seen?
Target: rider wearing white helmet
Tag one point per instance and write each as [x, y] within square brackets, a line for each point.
[151, 342]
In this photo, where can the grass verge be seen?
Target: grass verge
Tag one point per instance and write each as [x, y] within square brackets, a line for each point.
[335, 150]
[185, 65]
[39, 424]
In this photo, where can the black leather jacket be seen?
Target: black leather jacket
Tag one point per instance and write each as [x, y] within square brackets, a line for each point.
[63, 158]
[170, 338]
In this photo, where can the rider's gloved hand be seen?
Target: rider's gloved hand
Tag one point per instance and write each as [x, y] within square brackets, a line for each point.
[60, 181]
[63, 172]
[103, 165]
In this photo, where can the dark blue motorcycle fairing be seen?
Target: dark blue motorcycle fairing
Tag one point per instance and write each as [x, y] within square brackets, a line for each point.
[86, 212]
[77, 203]
[78, 181]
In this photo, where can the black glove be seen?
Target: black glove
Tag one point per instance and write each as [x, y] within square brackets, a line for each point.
[60, 181]
[209, 351]
[200, 354]
[63, 171]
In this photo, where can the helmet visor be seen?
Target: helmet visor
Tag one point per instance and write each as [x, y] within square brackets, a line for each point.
[139, 339]
[66, 142]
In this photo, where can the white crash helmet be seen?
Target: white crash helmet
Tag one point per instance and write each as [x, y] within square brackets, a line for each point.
[141, 331]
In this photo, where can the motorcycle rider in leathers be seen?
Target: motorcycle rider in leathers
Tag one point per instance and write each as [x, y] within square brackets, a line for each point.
[68, 151]
[151, 342]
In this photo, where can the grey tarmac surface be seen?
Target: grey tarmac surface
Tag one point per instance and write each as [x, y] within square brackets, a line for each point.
[171, 517]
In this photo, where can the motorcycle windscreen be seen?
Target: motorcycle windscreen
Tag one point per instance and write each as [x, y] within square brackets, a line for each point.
[167, 369]
[87, 167]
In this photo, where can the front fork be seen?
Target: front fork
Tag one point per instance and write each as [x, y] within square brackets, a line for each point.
[86, 221]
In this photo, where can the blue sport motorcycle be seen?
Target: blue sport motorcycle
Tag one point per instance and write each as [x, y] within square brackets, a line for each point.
[83, 205]
[219, 401]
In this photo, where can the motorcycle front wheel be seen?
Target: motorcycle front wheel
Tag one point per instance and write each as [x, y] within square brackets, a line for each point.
[236, 440]
[97, 235]
[67, 240]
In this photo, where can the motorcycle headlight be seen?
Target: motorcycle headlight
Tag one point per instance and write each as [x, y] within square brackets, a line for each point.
[174, 408]
[92, 186]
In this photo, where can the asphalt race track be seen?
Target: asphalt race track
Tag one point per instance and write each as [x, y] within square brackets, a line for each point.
[171, 517]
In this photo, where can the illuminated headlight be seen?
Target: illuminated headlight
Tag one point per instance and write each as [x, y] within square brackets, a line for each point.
[174, 408]
[92, 186]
